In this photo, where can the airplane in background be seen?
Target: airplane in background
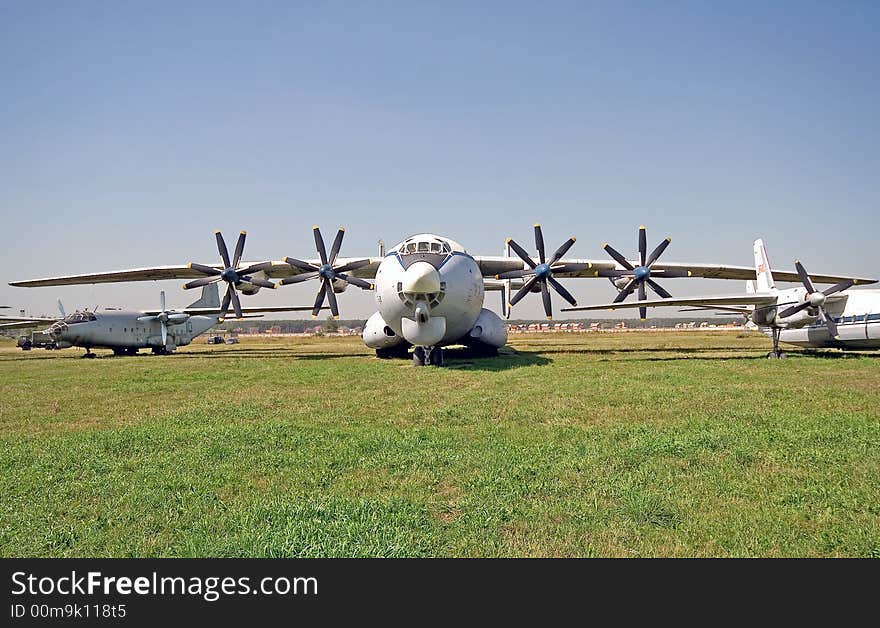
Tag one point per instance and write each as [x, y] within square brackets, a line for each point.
[429, 290]
[836, 317]
[126, 332]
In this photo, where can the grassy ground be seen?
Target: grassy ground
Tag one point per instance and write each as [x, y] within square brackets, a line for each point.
[675, 444]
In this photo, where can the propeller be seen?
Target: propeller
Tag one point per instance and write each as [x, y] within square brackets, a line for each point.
[327, 272]
[61, 309]
[816, 299]
[232, 274]
[640, 276]
[541, 274]
[164, 317]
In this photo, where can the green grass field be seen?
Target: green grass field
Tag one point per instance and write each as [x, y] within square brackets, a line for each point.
[637, 444]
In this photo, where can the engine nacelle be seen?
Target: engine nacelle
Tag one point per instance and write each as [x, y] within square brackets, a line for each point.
[489, 330]
[378, 335]
[247, 288]
[620, 282]
[799, 319]
[764, 316]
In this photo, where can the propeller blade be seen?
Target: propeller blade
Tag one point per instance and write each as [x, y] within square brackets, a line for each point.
[198, 283]
[514, 274]
[617, 256]
[331, 297]
[656, 287]
[643, 311]
[298, 278]
[164, 334]
[539, 244]
[830, 324]
[521, 252]
[319, 301]
[180, 317]
[562, 250]
[61, 309]
[360, 283]
[236, 303]
[840, 287]
[221, 246]
[208, 270]
[319, 244]
[360, 263]
[545, 296]
[805, 278]
[627, 290]
[527, 286]
[296, 263]
[656, 253]
[643, 244]
[255, 268]
[565, 294]
[162, 300]
[224, 307]
[793, 310]
[337, 244]
[146, 319]
[239, 249]
[263, 283]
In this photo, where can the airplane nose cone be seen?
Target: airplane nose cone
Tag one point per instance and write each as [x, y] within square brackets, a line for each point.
[421, 278]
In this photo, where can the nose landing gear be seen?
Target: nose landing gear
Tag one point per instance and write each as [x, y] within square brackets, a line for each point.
[428, 356]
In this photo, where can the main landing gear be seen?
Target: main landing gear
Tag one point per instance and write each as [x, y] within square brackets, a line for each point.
[776, 353]
[89, 355]
[428, 356]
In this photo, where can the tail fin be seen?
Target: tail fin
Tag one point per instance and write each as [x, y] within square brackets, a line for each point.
[210, 297]
[762, 268]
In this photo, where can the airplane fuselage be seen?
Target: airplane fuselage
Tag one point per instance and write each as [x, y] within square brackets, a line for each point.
[857, 317]
[429, 292]
[123, 331]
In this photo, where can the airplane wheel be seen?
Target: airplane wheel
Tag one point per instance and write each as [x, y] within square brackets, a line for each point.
[776, 356]
[419, 356]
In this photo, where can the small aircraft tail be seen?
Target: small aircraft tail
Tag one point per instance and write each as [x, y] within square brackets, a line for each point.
[210, 297]
[763, 273]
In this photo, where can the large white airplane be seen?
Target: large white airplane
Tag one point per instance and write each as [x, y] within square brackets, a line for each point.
[804, 316]
[429, 290]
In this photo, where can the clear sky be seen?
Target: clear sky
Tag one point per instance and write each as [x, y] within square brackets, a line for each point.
[129, 131]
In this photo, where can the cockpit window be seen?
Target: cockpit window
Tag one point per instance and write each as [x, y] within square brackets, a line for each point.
[437, 247]
[79, 317]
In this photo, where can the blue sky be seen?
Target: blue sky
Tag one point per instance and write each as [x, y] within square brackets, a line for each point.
[130, 131]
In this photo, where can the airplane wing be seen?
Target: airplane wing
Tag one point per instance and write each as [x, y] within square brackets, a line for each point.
[19, 322]
[278, 270]
[207, 311]
[722, 300]
[491, 266]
